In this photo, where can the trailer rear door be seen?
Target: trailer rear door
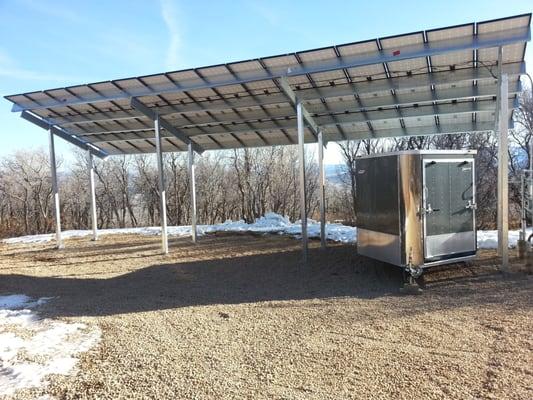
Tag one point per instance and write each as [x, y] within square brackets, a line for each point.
[449, 208]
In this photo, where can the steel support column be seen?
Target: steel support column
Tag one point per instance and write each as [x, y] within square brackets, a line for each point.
[92, 194]
[502, 127]
[162, 191]
[192, 183]
[321, 189]
[55, 190]
[301, 154]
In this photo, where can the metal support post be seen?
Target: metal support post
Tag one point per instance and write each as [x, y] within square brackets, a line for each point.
[301, 153]
[92, 194]
[162, 191]
[192, 183]
[528, 176]
[55, 190]
[502, 120]
[321, 190]
[523, 177]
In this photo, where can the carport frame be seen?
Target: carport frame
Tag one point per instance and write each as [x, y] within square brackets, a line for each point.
[159, 123]
[56, 125]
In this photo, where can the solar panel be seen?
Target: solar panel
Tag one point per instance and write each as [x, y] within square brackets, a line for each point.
[392, 86]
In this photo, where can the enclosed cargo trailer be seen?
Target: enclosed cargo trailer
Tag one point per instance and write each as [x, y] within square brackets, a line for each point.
[417, 209]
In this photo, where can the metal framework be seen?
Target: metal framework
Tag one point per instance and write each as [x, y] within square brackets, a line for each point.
[92, 195]
[455, 79]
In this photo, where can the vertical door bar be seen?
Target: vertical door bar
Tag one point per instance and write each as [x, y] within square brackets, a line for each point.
[301, 154]
[501, 128]
[321, 189]
[162, 191]
[92, 194]
[192, 183]
[55, 190]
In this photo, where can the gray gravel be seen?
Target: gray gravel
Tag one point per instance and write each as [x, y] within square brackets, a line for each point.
[237, 316]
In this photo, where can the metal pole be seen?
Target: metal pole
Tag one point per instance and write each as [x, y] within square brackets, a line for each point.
[523, 203]
[92, 194]
[55, 190]
[321, 189]
[530, 186]
[503, 168]
[496, 131]
[301, 153]
[192, 183]
[162, 192]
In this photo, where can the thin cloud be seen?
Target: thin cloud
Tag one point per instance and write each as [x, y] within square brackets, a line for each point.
[266, 12]
[10, 69]
[169, 13]
[56, 11]
[28, 75]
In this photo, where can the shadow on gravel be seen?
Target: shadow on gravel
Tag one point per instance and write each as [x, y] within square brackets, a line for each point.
[275, 276]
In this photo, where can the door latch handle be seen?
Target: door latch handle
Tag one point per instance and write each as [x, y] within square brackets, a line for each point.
[429, 210]
[470, 205]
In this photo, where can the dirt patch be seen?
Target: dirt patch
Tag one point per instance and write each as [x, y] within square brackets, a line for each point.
[239, 316]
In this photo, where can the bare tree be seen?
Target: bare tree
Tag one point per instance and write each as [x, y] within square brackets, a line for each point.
[236, 184]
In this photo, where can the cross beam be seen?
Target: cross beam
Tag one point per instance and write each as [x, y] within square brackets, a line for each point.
[324, 120]
[147, 111]
[382, 99]
[63, 134]
[293, 99]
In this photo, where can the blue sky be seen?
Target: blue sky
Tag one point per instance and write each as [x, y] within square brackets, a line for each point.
[56, 43]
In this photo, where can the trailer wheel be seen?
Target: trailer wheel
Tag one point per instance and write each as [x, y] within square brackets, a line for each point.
[421, 281]
[411, 285]
[405, 276]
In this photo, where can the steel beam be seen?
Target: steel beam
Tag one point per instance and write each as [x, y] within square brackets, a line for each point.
[351, 132]
[418, 50]
[293, 99]
[192, 183]
[322, 190]
[63, 134]
[344, 115]
[425, 130]
[55, 189]
[140, 132]
[503, 168]
[301, 158]
[162, 189]
[147, 111]
[92, 195]
[331, 133]
[379, 91]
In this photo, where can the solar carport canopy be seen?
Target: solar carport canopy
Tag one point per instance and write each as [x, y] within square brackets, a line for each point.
[421, 83]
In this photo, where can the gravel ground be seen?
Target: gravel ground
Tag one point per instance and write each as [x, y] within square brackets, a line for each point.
[237, 316]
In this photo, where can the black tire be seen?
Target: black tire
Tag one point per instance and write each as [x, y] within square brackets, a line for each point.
[421, 281]
[405, 276]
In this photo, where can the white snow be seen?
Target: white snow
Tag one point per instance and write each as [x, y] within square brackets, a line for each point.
[489, 239]
[32, 348]
[270, 223]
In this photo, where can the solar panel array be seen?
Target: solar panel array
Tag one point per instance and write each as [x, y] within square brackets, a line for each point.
[428, 82]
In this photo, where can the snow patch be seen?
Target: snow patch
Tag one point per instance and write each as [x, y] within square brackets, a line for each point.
[489, 239]
[32, 348]
[269, 223]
